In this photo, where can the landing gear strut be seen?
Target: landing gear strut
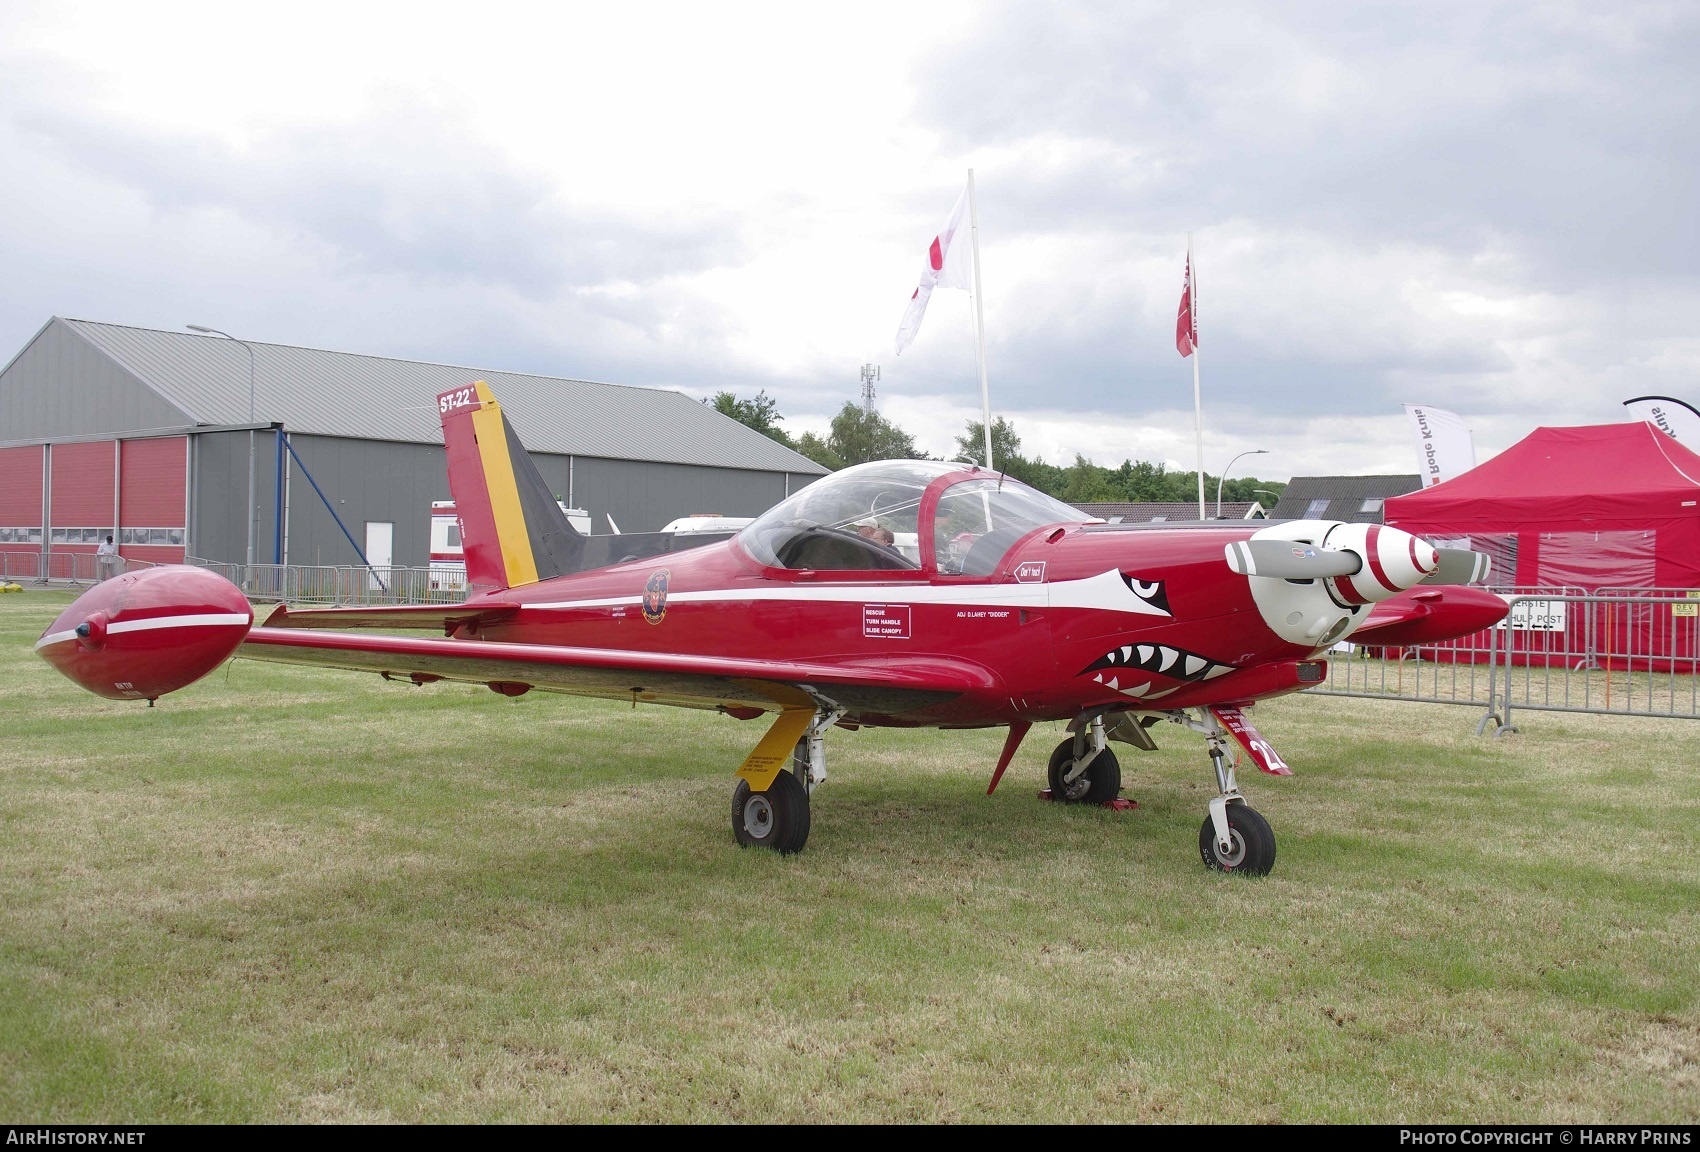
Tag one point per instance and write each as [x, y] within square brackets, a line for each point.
[1234, 837]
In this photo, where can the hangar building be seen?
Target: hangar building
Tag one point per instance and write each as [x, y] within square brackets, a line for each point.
[145, 434]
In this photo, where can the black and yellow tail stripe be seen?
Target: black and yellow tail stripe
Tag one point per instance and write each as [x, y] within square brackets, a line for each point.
[491, 428]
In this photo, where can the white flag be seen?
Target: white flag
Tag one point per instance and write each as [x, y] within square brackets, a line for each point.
[1444, 446]
[1669, 415]
[947, 267]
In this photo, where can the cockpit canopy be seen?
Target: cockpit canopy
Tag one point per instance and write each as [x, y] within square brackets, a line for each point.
[871, 518]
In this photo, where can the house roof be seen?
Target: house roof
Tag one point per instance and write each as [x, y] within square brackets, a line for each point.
[1345, 496]
[1158, 510]
[314, 391]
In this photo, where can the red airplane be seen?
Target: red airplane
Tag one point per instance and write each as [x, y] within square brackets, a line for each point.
[905, 593]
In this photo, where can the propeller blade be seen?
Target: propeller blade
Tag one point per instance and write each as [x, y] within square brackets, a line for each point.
[1460, 566]
[1286, 560]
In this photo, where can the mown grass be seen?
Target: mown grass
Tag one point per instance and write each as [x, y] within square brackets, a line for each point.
[295, 895]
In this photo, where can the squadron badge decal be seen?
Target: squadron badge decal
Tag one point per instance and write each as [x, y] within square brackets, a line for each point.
[655, 596]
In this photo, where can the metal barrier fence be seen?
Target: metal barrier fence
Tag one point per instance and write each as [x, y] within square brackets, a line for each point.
[21, 566]
[72, 568]
[1621, 652]
[345, 585]
[293, 583]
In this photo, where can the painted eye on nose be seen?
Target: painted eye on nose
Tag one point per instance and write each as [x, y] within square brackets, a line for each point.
[1150, 591]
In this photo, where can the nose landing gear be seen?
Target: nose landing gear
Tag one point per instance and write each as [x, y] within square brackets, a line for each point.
[1234, 837]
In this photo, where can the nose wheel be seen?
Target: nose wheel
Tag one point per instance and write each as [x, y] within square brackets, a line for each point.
[1251, 842]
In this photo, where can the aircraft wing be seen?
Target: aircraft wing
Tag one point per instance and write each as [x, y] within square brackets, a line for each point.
[885, 687]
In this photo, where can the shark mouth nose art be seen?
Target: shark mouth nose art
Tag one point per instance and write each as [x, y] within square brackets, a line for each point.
[1161, 659]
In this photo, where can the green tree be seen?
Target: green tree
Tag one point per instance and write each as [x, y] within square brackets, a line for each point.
[760, 412]
[1083, 482]
[1006, 455]
[815, 448]
[1006, 445]
[857, 437]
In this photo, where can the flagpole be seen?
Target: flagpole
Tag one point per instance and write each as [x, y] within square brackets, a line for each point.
[1197, 401]
[980, 324]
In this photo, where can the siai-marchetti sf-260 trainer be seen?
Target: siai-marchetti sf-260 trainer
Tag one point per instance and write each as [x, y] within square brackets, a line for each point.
[904, 593]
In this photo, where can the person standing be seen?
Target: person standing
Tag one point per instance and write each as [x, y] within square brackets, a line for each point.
[106, 559]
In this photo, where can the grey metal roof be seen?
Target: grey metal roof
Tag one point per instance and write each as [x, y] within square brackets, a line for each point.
[1345, 496]
[1143, 512]
[374, 398]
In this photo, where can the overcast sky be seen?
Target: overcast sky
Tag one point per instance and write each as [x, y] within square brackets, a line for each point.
[1486, 207]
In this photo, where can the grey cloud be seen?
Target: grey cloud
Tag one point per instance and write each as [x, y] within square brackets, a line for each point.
[1534, 153]
[1576, 138]
[409, 193]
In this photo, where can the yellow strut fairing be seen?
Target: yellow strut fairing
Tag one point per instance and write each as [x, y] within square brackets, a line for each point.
[774, 752]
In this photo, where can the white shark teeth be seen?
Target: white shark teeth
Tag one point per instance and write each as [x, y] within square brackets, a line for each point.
[1137, 689]
[1160, 658]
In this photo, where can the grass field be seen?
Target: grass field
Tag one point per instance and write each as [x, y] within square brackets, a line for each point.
[296, 895]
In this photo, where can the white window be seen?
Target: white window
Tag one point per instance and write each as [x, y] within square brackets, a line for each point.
[1371, 505]
[1316, 508]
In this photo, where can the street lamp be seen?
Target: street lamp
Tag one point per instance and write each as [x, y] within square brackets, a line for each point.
[247, 567]
[1224, 476]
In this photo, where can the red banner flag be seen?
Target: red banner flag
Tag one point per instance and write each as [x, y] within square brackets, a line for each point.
[1186, 329]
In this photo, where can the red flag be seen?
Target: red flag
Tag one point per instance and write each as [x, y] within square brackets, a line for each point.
[1186, 328]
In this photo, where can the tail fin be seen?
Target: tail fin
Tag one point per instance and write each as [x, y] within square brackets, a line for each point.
[511, 529]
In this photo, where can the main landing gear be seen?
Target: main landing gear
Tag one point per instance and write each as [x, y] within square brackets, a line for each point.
[1083, 770]
[770, 805]
[1234, 838]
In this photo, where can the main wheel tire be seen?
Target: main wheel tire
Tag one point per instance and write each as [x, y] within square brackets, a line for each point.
[777, 818]
[1099, 784]
[1253, 841]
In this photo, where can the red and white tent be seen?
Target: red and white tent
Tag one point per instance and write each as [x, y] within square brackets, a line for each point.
[1603, 506]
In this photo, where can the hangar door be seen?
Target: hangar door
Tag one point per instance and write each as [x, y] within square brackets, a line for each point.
[153, 501]
[21, 472]
[134, 490]
[82, 486]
